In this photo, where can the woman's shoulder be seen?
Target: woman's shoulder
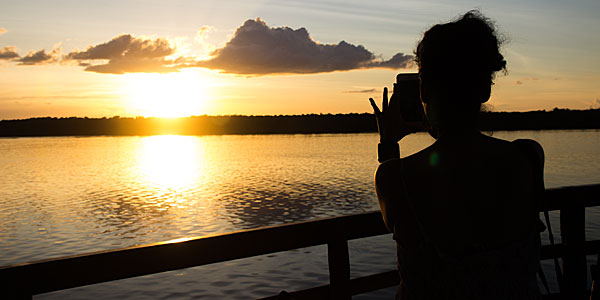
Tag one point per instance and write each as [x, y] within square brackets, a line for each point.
[531, 149]
[524, 144]
[388, 170]
[393, 171]
[393, 167]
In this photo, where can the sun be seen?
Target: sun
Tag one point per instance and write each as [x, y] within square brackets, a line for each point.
[172, 95]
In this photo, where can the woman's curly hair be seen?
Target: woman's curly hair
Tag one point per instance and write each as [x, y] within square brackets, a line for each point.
[462, 52]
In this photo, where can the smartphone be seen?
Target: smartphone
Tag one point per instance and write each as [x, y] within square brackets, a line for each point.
[407, 84]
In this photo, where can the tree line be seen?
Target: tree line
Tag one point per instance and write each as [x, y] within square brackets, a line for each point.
[309, 123]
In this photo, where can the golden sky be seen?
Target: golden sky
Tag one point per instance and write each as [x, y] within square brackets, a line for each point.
[181, 58]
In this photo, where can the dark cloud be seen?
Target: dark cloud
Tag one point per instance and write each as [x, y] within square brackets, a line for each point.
[126, 46]
[9, 52]
[398, 61]
[39, 57]
[254, 49]
[360, 91]
[257, 49]
[127, 54]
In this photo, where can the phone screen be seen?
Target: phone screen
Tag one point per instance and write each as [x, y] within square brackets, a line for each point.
[407, 84]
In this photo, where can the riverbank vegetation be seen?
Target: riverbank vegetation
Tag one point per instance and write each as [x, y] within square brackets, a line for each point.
[309, 123]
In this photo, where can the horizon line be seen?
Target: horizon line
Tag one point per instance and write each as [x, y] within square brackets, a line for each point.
[266, 115]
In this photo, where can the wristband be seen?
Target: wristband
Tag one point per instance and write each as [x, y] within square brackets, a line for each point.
[387, 151]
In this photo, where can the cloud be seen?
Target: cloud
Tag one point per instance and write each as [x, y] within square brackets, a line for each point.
[256, 49]
[127, 54]
[398, 61]
[39, 57]
[361, 91]
[523, 80]
[201, 40]
[9, 52]
[202, 33]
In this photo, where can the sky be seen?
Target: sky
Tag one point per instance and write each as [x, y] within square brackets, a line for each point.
[180, 58]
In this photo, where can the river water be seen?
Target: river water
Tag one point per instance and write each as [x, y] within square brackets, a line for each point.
[71, 195]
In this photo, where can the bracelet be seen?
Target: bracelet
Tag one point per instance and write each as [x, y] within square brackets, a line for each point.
[387, 151]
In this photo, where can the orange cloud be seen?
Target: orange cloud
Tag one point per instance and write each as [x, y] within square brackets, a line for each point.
[202, 32]
[39, 57]
[127, 54]
[9, 52]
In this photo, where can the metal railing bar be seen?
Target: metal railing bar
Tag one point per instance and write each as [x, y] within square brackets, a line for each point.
[79, 270]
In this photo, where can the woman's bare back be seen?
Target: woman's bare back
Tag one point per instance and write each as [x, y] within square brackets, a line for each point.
[468, 190]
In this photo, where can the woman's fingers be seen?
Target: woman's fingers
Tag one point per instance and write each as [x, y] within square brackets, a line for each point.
[385, 99]
[374, 105]
[390, 123]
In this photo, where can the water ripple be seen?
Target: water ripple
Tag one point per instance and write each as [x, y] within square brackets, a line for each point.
[64, 196]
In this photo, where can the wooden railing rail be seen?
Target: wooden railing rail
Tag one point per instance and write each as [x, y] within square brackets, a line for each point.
[21, 281]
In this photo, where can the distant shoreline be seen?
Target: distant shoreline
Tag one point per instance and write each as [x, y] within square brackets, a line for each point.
[282, 124]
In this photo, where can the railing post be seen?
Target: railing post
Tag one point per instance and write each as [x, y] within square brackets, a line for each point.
[572, 229]
[339, 269]
[595, 293]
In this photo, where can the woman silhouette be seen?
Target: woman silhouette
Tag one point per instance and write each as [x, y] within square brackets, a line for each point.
[464, 211]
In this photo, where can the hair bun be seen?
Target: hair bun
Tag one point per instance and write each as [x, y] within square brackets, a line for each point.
[468, 45]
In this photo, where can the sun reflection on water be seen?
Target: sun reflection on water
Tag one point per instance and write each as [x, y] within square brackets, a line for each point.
[171, 162]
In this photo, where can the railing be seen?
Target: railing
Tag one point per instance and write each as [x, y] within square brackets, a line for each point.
[24, 280]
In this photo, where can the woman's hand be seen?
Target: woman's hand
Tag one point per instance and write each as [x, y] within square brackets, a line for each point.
[392, 127]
